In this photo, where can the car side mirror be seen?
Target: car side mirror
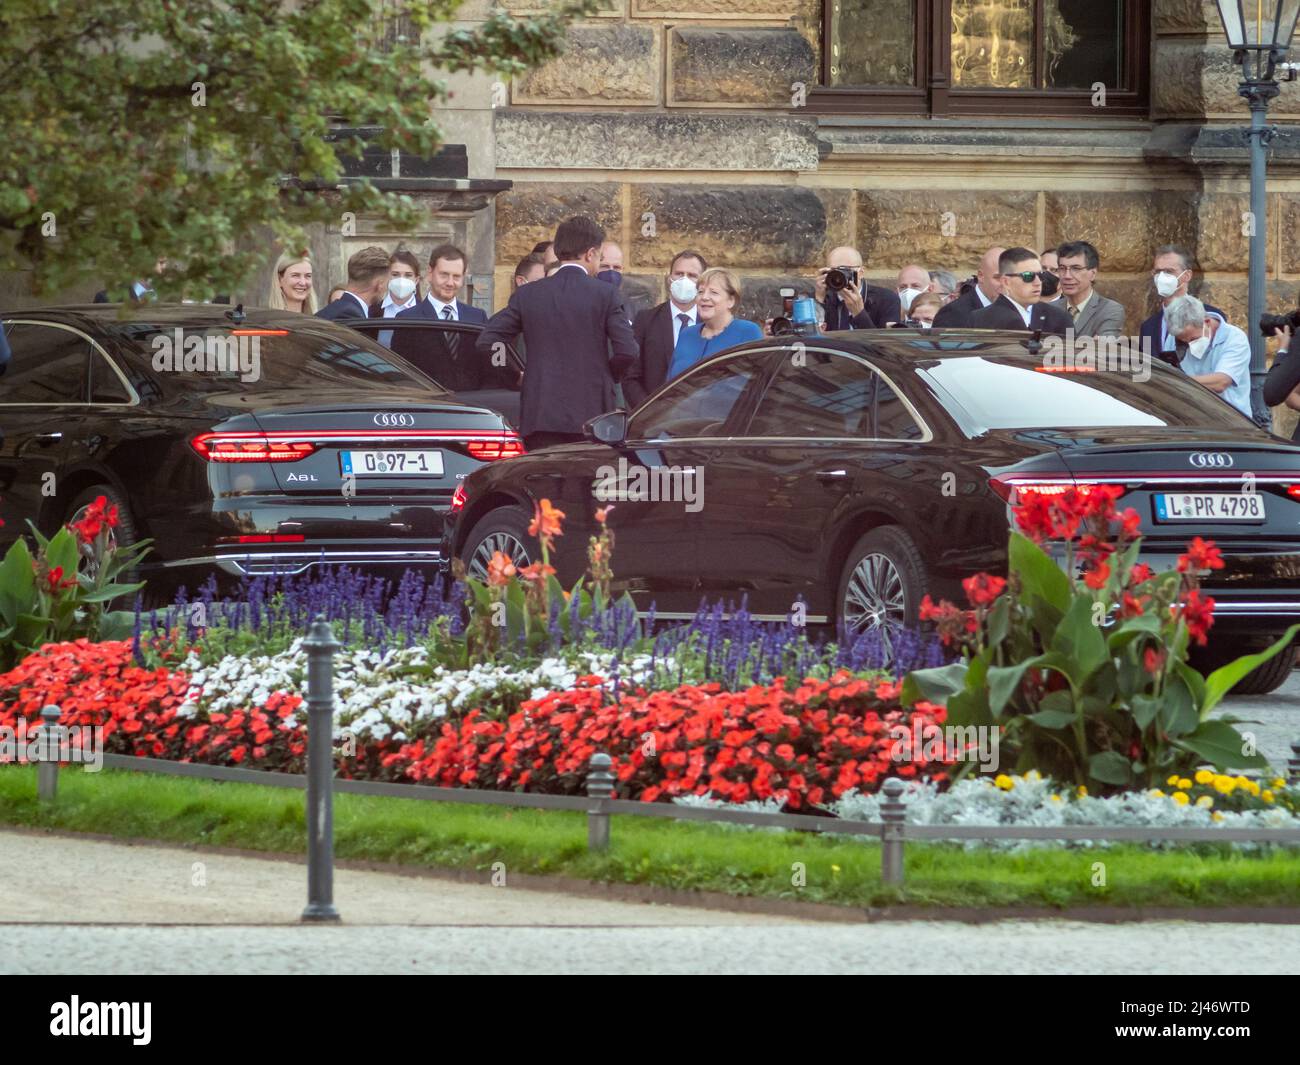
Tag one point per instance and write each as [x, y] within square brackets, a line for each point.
[608, 428]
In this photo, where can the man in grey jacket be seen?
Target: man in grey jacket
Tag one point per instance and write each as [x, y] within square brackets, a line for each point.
[1092, 313]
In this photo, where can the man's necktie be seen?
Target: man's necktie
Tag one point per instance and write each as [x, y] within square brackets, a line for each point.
[685, 319]
[453, 340]
[1074, 312]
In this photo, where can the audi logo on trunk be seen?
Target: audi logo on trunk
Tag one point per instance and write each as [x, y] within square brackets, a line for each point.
[394, 419]
[1206, 460]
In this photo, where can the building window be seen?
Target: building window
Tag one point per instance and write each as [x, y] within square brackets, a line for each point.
[979, 57]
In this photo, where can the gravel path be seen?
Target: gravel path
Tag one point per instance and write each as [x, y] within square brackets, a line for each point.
[930, 947]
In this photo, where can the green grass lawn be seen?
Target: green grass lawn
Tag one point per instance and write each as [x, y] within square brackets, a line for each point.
[662, 853]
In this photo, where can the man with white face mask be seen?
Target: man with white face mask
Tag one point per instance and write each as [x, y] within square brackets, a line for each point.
[1171, 274]
[403, 289]
[657, 329]
[1213, 352]
[912, 281]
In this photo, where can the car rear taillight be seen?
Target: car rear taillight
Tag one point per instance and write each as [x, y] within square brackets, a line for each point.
[1293, 490]
[1016, 490]
[249, 447]
[457, 498]
[491, 450]
[264, 538]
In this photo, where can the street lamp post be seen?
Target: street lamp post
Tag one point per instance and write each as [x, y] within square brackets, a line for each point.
[1259, 33]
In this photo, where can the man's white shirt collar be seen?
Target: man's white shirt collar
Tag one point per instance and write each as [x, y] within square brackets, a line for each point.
[563, 265]
[1025, 313]
[438, 306]
[984, 300]
[365, 308]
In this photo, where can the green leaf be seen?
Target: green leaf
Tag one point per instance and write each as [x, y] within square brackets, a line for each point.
[1130, 629]
[1039, 574]
[999, 622]
[1080, 641]
[1221, 745]
[1145, 708]
[1110, 767]
[117, 625]
[113, 591]
[934, 685]
[1178, 713]
[1223, 679]
[1052, 719]
[1003, 681]
[17, 583]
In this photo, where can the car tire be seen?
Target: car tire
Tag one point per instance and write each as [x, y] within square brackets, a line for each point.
[883, 574]
[1259, 681]
[506, 530]
[124, 534]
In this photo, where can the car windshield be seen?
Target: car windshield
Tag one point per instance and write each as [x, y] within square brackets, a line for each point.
[1016, 392]
[270, 358]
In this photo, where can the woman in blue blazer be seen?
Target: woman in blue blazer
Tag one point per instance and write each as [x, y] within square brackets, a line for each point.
[717, 329]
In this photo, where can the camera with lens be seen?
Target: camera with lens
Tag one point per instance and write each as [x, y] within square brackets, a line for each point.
[1269, 324]
[839, 278]
[784, 323]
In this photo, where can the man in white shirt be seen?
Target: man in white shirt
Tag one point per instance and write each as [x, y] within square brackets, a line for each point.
[1213, 352]
[657, 329]
[987, 288]
[403, 289]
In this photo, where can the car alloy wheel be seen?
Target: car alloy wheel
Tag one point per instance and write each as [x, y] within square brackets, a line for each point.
[501, 541]
[874, 600]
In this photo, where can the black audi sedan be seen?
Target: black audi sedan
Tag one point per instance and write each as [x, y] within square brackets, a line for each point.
[859, 472]
[241, 443]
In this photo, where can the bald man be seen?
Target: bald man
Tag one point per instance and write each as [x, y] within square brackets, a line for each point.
[985, 291]
[860, 306]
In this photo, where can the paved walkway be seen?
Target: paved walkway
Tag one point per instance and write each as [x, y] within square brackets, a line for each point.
[1275, 719]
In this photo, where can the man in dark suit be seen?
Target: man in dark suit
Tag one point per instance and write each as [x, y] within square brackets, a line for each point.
[657, 328]
[579, 343]
[368, 272]
[986, 289]
[1021, 275]
[1171, 273]
[858, 306]
[446, 356]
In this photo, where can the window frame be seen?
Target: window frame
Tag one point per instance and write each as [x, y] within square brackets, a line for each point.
[934, 95]
[738, 415]
[95, 348]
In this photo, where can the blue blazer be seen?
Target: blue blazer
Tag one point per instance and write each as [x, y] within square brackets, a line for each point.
[1153, 327]
[464, 312]
[346, 306]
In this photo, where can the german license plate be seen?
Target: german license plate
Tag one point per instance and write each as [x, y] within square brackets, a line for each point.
[1209, 506]
[392, 463]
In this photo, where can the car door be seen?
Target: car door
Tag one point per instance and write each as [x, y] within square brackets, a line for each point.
[827, 426]
[43, 395]
[658, 480]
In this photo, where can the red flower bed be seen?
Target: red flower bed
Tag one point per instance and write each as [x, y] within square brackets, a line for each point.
[804, 747]
[100, 684]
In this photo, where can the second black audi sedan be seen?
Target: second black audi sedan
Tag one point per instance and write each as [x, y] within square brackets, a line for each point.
[240, 443]
[862, 471]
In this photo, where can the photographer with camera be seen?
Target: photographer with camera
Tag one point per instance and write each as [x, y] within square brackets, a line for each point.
[849, 302]
[1282, 385]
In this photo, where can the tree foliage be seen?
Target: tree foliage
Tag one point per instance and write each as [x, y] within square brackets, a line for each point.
[135, 129]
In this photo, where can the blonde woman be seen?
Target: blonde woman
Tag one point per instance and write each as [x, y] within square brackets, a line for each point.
[291, 288]
[717, 329]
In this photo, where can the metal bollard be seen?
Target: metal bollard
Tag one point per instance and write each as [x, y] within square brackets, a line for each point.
[47, 769]
[600, 786]
[892, 814]
[320, 646]
[1293, 764]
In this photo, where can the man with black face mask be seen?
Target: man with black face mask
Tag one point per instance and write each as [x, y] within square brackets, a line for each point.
[1051, 277]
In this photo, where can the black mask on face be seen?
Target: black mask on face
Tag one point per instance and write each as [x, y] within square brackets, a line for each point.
[1051, 284]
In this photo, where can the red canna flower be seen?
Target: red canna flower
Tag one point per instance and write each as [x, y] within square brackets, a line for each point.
[1200, 555]
[983, 589]
[1097, 577]
[500, 569]
[1198, 612]
[1153, 660]
[547, 521]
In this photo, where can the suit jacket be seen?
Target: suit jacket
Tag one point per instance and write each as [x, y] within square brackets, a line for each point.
[579, 344]
[346, 306]
[956, 315]
[1152, 329]
[1101, 318]
[1002, 314]
[653, 330]
[445, 355]
[881, 306]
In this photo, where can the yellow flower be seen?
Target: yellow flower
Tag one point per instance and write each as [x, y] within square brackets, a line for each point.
[1004, 782]
[1081, 791]
[1184, 783]
[835, 869]
[1173, 781]
[1033, 775]
[1180, 797]
[1056, 798]
[1279, 783]
[1156, 793]
[1216, 816]
[1205, 801]
[1204, 776]
[1267, 796]
[1226, 785]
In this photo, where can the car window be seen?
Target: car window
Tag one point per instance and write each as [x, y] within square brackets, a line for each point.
[105, 385]
[893, 419]
[47, 364]
[816, 394]
[699, 402]
[1014, 392]
[449, 356]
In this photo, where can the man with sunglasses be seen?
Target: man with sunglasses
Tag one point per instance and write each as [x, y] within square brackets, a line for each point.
[1018, 307]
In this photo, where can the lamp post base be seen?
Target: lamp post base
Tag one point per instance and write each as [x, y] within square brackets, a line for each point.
[319, 913]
